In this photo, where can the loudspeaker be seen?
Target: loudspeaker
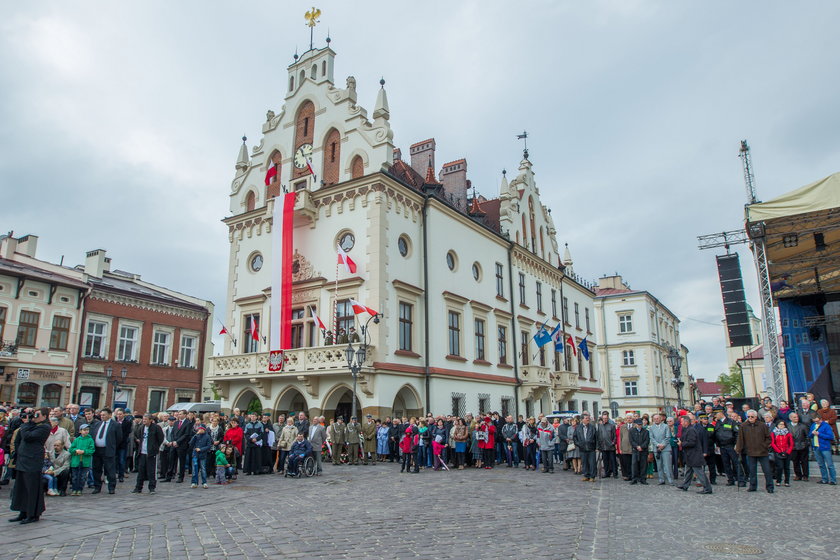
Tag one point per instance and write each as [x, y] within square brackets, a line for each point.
[734, 300]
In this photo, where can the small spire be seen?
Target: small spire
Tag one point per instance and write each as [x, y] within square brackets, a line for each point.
[242, 162]
[328, 37]
[381, 110]
[567, 256]
[504, 187]
[296, 54]
[430, 174]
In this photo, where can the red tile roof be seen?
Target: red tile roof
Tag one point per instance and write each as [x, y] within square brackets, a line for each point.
[404, 172]
[709, 388]
[462, 160]
[491, 213]
[422, 142]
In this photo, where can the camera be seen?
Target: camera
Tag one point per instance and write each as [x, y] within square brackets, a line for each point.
[27, 415]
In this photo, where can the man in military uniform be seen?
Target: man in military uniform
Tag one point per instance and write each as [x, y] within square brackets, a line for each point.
[369, 433]
[337, 435]
[352, 437]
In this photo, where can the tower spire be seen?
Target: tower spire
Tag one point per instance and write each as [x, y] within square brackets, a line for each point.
[242, 162]
[381, 110]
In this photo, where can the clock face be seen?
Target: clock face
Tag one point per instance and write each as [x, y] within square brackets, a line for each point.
[302, 154]
[347, 241]
[256, 263]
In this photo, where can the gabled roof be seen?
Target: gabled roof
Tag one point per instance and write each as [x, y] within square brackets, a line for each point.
[15, 268]
[709, 388]
[614, 291]
[117, 282]
[405, 173]
[491, 213]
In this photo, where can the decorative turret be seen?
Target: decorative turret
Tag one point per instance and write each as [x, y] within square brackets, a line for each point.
[243, 161]
[567, 258]
[381, 111]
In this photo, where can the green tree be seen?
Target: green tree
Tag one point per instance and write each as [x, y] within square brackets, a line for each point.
[731, 382]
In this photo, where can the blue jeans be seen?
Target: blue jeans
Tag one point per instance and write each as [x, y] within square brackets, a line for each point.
[121, 455]
[199, 464]
[78, 477]
[421, 454]
[512, 455]
[826, 463]
[50, 481]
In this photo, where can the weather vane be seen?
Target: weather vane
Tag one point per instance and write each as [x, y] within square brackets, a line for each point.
[311, 21]
[524, 136]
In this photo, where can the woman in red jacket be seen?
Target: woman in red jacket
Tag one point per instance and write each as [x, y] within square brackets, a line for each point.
[487, 442]
[234, 436]
[781, 440]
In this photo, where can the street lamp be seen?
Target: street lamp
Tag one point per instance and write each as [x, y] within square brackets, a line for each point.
[356, 357]
[675, 359]
[109, 373]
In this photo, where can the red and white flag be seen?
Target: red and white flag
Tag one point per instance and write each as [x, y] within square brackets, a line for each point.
[571, 342]
[282, 246]
[309, 166]
[359, 308]
[255, 333]
[344, 258]
[270, 175]
[224, 330]
[318, 320]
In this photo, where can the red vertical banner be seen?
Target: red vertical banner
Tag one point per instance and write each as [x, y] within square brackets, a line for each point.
[282, 248]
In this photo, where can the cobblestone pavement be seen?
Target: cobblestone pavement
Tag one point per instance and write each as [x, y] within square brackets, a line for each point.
[376, 512]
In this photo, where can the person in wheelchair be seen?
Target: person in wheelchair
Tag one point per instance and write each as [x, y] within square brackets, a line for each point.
[301, 449]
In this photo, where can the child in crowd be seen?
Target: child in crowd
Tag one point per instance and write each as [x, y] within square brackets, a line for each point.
[200, 445]
[232, 457]
[81, 455]
[222, 464]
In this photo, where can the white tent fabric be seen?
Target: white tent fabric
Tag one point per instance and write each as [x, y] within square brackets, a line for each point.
[819, 195]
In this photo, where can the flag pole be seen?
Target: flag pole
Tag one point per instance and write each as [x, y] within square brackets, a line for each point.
[335, 305]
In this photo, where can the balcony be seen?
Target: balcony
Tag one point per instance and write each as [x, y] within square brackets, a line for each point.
[8, 350]
[305, 365]
[564, 383]
[535, 381]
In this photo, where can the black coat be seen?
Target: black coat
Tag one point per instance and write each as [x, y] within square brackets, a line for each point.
[125, 426]
[154, 441]
[183, 435]
[113, 436]
[585, 443]
[29, 446]
[692, 448]
[639, 438]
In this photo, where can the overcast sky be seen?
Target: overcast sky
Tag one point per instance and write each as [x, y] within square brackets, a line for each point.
[120, 122]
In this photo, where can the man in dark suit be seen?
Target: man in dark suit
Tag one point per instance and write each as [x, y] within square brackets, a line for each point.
[181, 434]
[150, 437]
[124, 423]
[584, 439]
[107, 436]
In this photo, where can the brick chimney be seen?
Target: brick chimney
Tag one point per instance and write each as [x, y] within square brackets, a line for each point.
[27, 245]
[611, 282]
[422, 153]
[96, 263]
[454, 179]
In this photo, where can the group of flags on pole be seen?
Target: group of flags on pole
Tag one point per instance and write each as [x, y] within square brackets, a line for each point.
[544, 337]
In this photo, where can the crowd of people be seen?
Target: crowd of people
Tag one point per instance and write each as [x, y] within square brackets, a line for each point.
[46, 451]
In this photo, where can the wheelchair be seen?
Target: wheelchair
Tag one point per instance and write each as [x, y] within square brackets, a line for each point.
[306, 467]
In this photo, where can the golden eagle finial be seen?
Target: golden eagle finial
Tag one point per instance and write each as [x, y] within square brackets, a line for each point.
[312, 16]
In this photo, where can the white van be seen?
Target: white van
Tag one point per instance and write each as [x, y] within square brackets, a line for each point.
[197, 407]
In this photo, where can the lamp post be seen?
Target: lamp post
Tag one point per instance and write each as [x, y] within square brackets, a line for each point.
[109, 373]
[356, 357]
[675, 359]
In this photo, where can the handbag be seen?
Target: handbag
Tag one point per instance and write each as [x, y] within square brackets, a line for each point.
[571, 447]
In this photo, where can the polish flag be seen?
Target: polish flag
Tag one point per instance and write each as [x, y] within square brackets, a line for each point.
[571, 342]
[254, 332]
[318, 320]
[344, 258]
[224, 330]
[359, 308]
[270, 175]
[309, 166]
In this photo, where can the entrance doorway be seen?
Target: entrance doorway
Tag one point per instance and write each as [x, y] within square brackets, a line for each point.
[345, 405]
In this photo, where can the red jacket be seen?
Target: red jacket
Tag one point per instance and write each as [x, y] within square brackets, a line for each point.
[490, 442]
[781, 444]
[235, 435]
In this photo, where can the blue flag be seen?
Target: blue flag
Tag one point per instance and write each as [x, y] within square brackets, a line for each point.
[584, 349]
[557, 337]
[542, 337]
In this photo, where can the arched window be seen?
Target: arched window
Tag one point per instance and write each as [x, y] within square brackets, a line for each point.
[273, 175]
[291, 83]
[52, 395]
[542, 243]
[302, 77]
[250, 201]
[332, 157]
[533, 226]
[304, 127]
[314, 72]
[524, 232]
[357, 167]
[27, 394]
[324, 68]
